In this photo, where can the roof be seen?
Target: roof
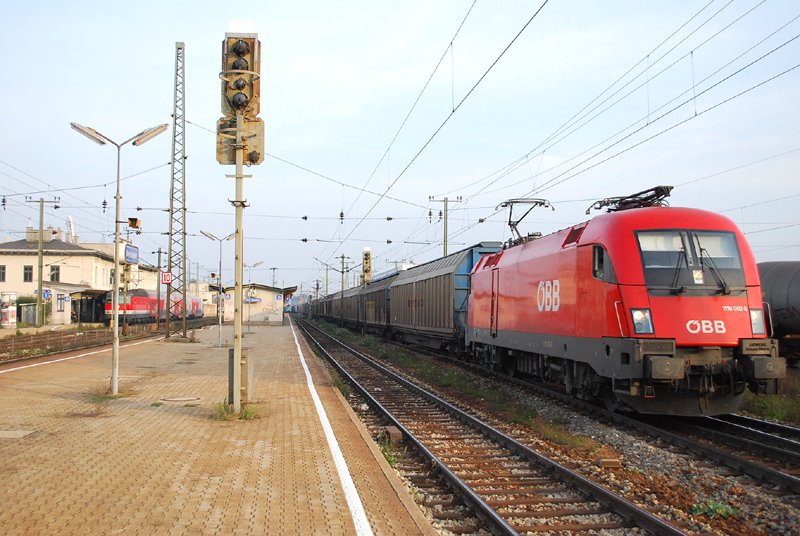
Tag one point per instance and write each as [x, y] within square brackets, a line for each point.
[56, 246]
[59, 247]
[443, 265]
[259, 286]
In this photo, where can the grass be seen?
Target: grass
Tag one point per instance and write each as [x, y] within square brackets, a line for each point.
[784, 407]
[388, 450]
[246, 413]
[157, 404]
[558, 433]
[23, 352]
[102, 399]
[342, 385]
[712, 509]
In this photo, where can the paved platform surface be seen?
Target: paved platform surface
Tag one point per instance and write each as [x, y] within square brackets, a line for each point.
[157, 460]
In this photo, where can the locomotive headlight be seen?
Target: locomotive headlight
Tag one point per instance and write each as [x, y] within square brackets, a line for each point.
[642, 321]
[757, 321]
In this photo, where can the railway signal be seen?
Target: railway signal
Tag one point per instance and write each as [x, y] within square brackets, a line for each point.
[241, 101]
[366, 265]
[241, 67]
[252, 135]
[240, 141]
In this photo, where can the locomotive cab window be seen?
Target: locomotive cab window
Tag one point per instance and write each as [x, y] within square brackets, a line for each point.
[601, 265]
[693, 262]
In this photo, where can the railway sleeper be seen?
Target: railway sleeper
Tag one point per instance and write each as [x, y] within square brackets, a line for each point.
[555, 513]
[530, 501]
[568, 527]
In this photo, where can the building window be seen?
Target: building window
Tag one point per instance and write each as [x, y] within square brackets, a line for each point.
[55, 274]
[60, 301]
[2, 273]
[27, 274]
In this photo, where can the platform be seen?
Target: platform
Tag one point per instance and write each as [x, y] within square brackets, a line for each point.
[158, 460]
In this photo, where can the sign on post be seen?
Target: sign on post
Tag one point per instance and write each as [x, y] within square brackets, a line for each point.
[166, 278]
[131, 254]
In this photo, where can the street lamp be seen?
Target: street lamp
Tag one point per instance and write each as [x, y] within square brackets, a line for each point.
[100, 139]
[219, 281]
[249, 286]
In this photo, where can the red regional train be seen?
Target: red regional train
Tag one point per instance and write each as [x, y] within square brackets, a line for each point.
[141, 306]
[655, 309]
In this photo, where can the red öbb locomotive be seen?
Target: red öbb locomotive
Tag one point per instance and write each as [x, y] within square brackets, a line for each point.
[139, 305]
[655, 309]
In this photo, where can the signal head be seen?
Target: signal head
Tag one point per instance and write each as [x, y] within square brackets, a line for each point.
[239, 101]
[240, 64]
[240, 48]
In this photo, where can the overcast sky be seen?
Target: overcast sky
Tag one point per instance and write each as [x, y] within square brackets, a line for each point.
[581, 101]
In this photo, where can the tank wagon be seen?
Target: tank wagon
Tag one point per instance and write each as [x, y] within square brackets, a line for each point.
[780, 287]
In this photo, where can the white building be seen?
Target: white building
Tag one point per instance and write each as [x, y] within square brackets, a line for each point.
[262, 303]
[74, 277]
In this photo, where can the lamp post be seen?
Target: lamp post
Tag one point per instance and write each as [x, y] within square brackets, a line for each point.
[219, 281]
[249, 286]
[140, 138]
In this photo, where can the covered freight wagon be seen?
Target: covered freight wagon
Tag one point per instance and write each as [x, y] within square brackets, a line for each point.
[428, 303]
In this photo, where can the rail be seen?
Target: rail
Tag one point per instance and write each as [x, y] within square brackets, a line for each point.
[614, 502]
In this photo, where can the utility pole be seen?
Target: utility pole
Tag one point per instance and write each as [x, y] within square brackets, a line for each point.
[274, 281]
[326, 279]
[341, 294]
[126, 275]
[316, 297]
[39, 277]
[158, 290]
[445, 201]
[344, 279]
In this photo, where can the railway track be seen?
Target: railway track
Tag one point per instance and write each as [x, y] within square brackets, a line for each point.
[23, 348]
[761, 444]
[510, 487]
[768, 452]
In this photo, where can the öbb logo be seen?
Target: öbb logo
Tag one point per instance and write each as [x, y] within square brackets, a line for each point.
[705, 326]
[548, 295]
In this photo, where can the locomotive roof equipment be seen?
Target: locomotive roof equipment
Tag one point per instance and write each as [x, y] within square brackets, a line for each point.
[653, 197]
[512, 223]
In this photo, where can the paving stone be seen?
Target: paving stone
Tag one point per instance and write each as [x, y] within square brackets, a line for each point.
[141, 465]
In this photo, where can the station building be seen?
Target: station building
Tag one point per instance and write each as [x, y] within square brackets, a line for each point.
[263, 304]
[75, 277]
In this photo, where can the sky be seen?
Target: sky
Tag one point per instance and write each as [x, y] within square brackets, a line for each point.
[379, 110]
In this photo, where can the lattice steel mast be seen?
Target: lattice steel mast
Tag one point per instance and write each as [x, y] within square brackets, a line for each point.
[176, 291]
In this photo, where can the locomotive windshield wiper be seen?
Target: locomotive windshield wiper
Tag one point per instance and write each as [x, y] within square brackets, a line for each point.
[718, 277]
[675, 289]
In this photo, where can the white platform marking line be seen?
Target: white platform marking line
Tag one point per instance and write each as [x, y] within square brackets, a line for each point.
[350, 491]
[75, 356]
